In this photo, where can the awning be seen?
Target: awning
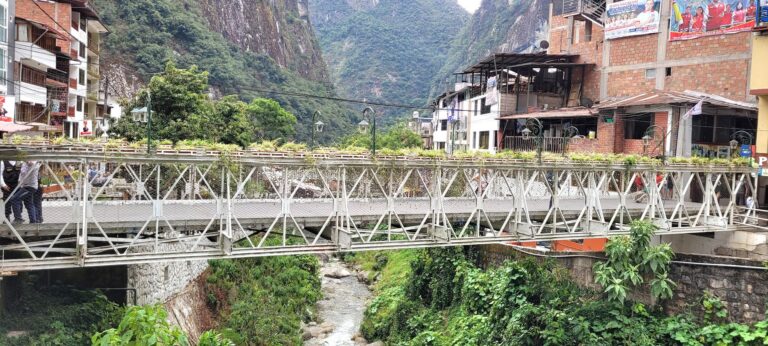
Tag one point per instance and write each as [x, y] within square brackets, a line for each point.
[578, 112]
[13, 127]
[658, 97]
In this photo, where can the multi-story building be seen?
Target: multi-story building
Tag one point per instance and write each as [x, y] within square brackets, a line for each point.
[60, 50]
[6, 97]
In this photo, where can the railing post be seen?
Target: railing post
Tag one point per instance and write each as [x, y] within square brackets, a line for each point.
[82, 239]
[227, 238]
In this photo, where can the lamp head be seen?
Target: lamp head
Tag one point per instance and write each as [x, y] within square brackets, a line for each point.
[526, 133]
[363, 126]
[319, 126]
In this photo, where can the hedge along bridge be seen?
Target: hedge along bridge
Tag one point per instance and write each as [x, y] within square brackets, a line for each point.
[196, 205]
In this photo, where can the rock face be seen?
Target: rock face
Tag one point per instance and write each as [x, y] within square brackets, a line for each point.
[280, 29]
[386, 50]
[498, 26]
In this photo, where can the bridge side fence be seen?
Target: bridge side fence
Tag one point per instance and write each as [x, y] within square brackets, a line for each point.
[105, 208]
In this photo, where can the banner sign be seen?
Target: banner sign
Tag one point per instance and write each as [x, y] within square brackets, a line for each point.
[632, 18]
[763, 14]
[692, 19]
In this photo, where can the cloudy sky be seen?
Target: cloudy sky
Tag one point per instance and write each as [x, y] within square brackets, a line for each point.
[470, 5]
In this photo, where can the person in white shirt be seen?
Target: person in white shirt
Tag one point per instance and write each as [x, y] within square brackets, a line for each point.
[28, 184]
[649, 16]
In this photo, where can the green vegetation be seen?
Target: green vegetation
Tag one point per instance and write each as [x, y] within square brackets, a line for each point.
[445, 299]
[148, 326]
[386, 50]
[56, 316]
[145, 34]
[182, 111]
[262, 301]
[632, 258]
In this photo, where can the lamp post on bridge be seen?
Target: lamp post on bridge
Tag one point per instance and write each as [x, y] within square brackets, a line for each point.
[369, 113]
[654, 134]
[533, 127]
[317, 127]
[741, 137]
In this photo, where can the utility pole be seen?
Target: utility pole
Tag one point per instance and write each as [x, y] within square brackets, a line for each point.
[11, 54]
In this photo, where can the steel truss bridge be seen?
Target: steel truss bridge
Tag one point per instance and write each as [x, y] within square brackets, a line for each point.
[133, 208]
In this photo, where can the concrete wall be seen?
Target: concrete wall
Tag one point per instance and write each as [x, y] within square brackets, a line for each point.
[158, 282]
[742, 290]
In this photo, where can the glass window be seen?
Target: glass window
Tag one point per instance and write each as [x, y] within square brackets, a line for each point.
[3, 24]
[484, 109]
[82, 50]
[635, 125]
[443, 125]
[83, 23]
[484, 139]
[75, 20]
[22, 32]
[703, 129]
[82, 77]
[80, 102]
[3, 72]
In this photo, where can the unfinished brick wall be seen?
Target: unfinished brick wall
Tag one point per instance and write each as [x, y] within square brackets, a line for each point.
[61, 12]
[727, 78]
[634, 50]
[629, 83]
[709, 46]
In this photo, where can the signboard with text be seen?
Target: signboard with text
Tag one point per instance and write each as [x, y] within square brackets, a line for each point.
[763, 14]
[692, 19]
[632, 18]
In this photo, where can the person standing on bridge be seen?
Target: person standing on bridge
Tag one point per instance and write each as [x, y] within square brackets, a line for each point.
[9, 180]
[28, 183]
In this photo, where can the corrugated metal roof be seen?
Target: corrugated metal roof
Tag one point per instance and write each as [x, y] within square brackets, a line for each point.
[503, 60]
[658, 97]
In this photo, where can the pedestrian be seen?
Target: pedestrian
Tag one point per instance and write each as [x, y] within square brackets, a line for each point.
[9, 180]
[670, 186]
[38, 200]
[28, 183]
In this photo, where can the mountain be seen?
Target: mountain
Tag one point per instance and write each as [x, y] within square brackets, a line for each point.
[498, 26]
[249, 47]
[386, 50]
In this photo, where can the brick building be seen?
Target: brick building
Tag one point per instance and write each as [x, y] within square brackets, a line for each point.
[655, 73]
[57, 55]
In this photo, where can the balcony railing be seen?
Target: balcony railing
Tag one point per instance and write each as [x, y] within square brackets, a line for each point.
[550, 144]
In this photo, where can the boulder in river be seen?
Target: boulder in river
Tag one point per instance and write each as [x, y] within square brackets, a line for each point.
[337, 273]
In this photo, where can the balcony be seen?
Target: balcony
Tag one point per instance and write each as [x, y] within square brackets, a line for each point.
[550, 144]
[41, 58]
[93, 71]
[591, 10]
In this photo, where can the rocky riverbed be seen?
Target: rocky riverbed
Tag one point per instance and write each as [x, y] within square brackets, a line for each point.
[341, 309]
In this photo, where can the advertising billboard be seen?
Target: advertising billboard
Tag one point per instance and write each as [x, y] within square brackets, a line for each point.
[692, 19]
[632, 18]
[763, 13]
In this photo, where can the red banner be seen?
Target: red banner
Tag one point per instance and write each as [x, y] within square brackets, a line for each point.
[680, 36]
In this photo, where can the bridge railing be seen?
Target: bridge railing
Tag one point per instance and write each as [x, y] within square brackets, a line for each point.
[122, 208]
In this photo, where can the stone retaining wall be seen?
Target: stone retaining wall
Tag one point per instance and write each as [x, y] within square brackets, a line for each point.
[742, 290]
[158, 282]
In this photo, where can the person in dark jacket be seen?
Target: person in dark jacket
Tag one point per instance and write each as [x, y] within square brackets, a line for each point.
[9, 182]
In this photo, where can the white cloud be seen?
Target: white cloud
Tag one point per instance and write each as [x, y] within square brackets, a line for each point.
[470, 5]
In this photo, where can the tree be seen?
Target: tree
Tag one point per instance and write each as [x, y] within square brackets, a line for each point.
[270, 121]
[630, 259]
[401, 137]
[230, 122]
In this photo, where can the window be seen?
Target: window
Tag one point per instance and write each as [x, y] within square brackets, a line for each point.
[443, 125]
[475, 108]
[32, 76]
[3, 24]
[75, 20]
[3, 72]
[474, 139]
[483, 108]
[82, 50]
[83, 24]
[669, 72]
[635, 125]
[82, 77]
[650, 73]
[703, 129]
[80, 102]
[588, 31]
[484, 139]
[22, 32]
[86, 108]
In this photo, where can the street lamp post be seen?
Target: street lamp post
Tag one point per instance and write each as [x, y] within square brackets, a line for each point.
[534, 128]
[317, 126]
[654, 132]
[369, 113]
[149, 121]
[740, 137]
[569, 133]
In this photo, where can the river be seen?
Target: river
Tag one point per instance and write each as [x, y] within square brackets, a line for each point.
[341, 309]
